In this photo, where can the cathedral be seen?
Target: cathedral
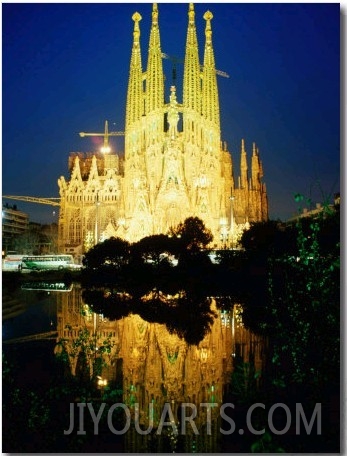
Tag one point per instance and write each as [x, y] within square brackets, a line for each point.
[175, 164]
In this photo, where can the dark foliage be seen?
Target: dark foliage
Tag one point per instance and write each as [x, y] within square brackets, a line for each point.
[192, 234]
[269, 238]
[113, 252]
[153, 249]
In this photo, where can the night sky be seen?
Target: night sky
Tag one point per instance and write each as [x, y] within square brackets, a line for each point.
[65, 69]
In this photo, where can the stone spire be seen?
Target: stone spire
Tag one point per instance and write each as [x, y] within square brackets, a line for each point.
[255, 168]
[191, 78]
[210, 101]
[155, 78]
[134, 107]
[244, 168]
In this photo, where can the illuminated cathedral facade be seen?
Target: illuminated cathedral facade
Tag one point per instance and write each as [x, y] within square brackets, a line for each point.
[174, 165]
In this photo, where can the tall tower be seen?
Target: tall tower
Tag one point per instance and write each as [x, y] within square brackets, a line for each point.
[135, 196]
[191, 81]
[175, 164]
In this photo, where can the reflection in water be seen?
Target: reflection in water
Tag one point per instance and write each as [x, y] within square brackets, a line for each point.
[22, 298]
[47, 286]
[11, 306]
[157, 367]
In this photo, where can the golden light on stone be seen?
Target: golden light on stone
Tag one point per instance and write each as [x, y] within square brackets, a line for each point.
[174, 164]
[157, 366]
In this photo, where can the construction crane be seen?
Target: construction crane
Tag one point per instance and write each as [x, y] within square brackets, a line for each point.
[105, 148]
[176, 60]
[33, 199]
[56, 201]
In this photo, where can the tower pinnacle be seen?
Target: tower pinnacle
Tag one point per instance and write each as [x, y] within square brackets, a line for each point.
[155, 14]
[134, 99]
[210, 101]
[191, 81]
[155, 77]
[208, 16]
[191, 14]
[244, 167]
[136, 17]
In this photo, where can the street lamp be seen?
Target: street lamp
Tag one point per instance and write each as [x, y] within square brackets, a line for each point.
[102, 383]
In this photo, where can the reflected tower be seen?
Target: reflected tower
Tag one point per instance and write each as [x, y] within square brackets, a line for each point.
[159, 368]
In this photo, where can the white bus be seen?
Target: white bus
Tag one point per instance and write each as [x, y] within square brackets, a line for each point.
[47, 262]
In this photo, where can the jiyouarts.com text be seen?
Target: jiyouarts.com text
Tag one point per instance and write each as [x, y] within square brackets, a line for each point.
[304, 421]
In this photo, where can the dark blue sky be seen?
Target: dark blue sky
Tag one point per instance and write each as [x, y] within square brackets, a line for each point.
[65, 69]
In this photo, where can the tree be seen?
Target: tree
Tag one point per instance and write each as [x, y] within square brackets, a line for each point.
[303, 310]
[49, 238]
[268, 238]
[153, 249]
[113, 252]
[192, 234]
[28, 242]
